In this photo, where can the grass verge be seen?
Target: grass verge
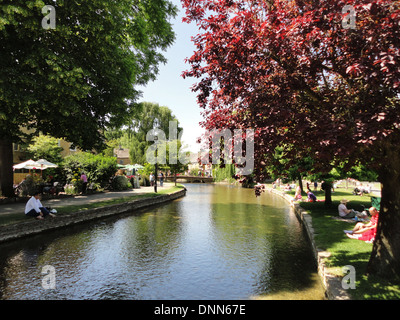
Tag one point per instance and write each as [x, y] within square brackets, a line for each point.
[344, 251]
[12, 218]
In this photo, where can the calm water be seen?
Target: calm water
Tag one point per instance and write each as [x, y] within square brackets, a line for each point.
[218, 242]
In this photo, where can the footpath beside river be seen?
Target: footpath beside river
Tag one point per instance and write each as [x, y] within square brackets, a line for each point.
[131, 200]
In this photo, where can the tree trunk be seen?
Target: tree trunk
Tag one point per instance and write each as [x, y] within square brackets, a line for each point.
[385, 257]
[300, 183]
[6, 168]
[328, 193]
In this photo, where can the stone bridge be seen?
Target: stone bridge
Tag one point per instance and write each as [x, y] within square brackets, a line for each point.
[190, 179]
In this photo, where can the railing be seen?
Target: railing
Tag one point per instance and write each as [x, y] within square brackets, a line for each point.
[190, 179]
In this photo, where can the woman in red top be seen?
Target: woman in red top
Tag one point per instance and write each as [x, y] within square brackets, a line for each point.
[366, 232]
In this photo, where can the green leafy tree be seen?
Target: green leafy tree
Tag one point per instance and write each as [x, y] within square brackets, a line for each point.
[132, 134]
[359, 171]
[79, 78]
[149, 116]
[281, 165]
[98, 168]
[296, 73]
[45, 147]
[176, 161]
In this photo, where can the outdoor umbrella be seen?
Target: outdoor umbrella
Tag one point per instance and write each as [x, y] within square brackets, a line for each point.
[137, 166]
[30, 164]
[44, 164]
[131, 167]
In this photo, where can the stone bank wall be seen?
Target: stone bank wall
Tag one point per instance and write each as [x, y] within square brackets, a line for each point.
[332, 284]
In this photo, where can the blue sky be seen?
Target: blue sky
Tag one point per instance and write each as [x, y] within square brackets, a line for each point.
[170, 89]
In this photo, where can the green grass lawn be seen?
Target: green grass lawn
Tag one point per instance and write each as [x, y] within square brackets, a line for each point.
[11, 218]
[344, 251]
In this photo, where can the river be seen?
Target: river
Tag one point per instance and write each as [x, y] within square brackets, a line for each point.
[219, 242]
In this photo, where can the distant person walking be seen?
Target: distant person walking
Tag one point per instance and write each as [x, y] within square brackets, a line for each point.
[84, 182]
[161, 176]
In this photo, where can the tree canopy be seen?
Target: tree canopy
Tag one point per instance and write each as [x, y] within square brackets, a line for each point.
[297, 75]
[149, 116]
[79, 78]
[45, 147]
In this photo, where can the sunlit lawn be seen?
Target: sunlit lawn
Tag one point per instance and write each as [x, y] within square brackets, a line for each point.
[10, 218]
[344, 251]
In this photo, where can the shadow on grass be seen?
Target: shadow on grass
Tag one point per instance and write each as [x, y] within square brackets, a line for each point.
[367, 287]
[10, 218]
[344, 251]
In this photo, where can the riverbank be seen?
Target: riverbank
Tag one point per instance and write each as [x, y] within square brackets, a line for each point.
[14, 224]
[331, 283]
[333, 250]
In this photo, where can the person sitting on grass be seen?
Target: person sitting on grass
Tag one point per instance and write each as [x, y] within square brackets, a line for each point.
[297, 195]
[35, 209]
[344, 212]
[367, 231]
[287, 188]
[311, 197]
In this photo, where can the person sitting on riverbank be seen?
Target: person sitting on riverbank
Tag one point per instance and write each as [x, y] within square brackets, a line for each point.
[297, 196]
[287, 188]
[367, 231]
[35, 209]
[361, 190]
[344, 212]
[311, 197]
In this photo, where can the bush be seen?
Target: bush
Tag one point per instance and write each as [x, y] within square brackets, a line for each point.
[70, 189]
[120, 183]
[223, 173]
[144, 180]
[98, 169]
[31, 184]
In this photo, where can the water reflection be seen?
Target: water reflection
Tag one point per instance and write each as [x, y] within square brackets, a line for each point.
[218, 242]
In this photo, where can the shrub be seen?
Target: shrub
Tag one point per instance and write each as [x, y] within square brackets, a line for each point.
[119, 183]
[144, 180]
[70, 189]
[98, 169]
[224, 173]
[31, 184]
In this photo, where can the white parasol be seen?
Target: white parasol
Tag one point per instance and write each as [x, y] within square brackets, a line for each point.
[44, 164]
[30, 164]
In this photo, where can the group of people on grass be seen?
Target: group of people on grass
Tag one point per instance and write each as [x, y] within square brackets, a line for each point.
[310, 196]
[35, 209]
[365, 231]
[361, 190]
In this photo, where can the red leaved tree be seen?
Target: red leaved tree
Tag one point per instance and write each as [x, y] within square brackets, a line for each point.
[317, 76]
